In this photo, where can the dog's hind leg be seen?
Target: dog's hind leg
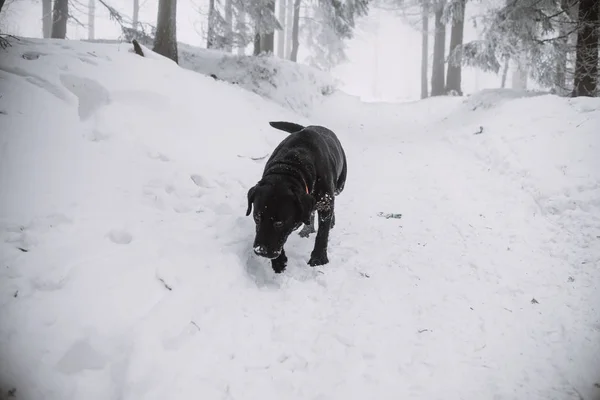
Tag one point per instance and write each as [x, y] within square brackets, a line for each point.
[341, 182]
[308, 229]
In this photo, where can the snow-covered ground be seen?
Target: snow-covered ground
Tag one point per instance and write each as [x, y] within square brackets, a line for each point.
[126, 263]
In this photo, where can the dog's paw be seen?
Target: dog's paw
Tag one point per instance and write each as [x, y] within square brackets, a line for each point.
[306, 231]
[318, 259]
[279, 264]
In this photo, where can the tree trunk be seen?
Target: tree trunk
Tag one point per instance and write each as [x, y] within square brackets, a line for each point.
[165, 42]
[91, 19]
[289, 22]
[241, 48]
[267, 40]
[60, 15]
[295, 31]
[210, 33]
[505, 71]
[136, 14]
[47, 18]
[257, 43]
[281, 33]
[519, 75]
[439, 47]
[454, 74]
[228, 26]
[424, 49]
[1, 4]
[586, 59]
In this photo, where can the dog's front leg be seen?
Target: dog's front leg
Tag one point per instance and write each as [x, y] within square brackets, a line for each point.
[319, 253]
[308, 229]
[278, 264]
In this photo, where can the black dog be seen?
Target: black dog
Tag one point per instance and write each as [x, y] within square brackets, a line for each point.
[305, 172]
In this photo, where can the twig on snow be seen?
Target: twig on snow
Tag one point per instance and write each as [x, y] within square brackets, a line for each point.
[479, 132]
[165, 283]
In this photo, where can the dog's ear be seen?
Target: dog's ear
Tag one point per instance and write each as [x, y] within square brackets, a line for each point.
[251, 194]
[307, 204]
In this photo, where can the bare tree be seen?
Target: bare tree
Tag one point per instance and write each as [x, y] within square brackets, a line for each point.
[136, 14]
[439, 47]
[281, 33]
[289, 22]
[47, 18]
[60, 15]
[210, 35]
[165, 42]
[91, 19]
[505, 72]
[295, 31]
[424, 48]
[586, 61]
[228, 25]
[267, 40]
[454, 74]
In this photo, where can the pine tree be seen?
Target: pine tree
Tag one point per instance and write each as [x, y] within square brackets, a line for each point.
[586, 67]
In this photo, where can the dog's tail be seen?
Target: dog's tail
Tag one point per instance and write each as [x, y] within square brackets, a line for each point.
[289, 127]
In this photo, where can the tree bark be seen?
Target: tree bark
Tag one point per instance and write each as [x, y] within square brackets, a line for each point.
[281, 33]
[454, 74]
[586, 59]
[165, 42]
[439, 47]
[424, 49]
[228, 26]
[505, 71]
[210, 33]
[519, 75]
[257, 43]
[288, 28]
[267, 40]
[241, 48]
[295, 31]
[47, 18]
[91, 19]
[136, 14]
[60, 15]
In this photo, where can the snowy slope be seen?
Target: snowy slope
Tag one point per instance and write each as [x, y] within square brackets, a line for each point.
[127, 264]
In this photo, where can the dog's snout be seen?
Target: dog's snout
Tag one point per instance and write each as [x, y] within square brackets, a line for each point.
[262, 251]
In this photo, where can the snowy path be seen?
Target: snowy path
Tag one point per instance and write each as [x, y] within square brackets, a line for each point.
[138, 280]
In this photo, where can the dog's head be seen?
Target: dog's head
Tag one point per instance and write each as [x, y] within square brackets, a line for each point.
[279, 209]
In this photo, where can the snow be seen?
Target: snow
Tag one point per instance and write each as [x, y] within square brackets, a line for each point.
[127, 268]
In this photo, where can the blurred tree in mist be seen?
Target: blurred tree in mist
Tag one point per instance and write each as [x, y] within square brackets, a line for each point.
[165, 41]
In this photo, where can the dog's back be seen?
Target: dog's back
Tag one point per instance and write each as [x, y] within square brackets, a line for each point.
[317, 141]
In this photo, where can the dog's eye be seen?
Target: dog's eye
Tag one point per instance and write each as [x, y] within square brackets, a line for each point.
[256, 217]
[277, 224]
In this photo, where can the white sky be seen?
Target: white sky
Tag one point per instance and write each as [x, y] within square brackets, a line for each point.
[384, 57]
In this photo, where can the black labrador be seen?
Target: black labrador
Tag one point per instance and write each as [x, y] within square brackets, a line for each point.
[305, 173]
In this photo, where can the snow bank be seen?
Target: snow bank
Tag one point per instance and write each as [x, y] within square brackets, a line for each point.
[462, 265]
[292, 85]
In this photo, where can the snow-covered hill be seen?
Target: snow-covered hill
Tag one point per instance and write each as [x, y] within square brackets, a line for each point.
[127, 271]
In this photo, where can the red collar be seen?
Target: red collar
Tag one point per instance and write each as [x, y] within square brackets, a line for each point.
[305, 186]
